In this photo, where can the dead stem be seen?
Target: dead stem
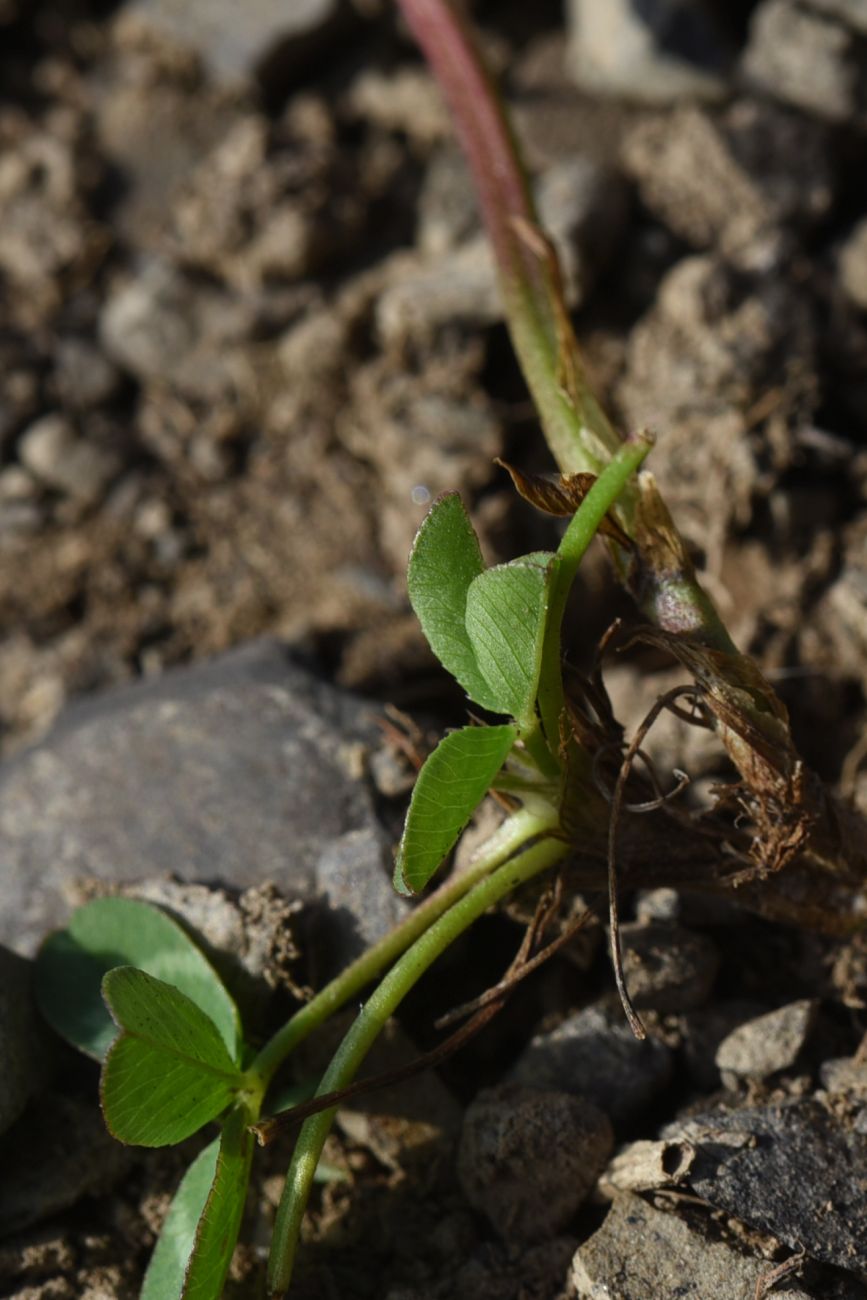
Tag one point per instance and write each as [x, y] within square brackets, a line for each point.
[617, 807]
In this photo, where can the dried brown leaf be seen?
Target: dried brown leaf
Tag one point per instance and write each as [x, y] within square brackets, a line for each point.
[561, 495]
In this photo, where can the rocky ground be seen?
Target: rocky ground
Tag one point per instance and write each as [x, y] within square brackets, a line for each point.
[248, 330]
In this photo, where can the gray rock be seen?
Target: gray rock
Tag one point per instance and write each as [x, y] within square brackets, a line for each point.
[447, 210]
[85, 378]
[666, 967]
[56, 455]
[53, 1157]
[703, 1031]
[770, 1043]
[655, 52]
[853, 266]
[582, 206]
[732, 181]
[794, 1170]
[846, 1074]
[528, 1159]
[642, 1252]
[160, 327]
[237, 42]
[237, 771]
[594, 1054]
[696, 362]
[356, 919]
[147, 325]
[805, 58]
[23, 1049]
[851, 12]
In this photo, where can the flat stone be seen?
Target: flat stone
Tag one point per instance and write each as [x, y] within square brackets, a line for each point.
[237, 771]
[529, 1158]
[806, 59]
[643, 1253]
[640, 1252]
[236, 42]
[770, 1043]
[656, 52]
[794, 1170]
[595, 1055]
[666, 967]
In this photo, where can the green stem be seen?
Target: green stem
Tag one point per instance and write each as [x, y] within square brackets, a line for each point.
[545, 758]
[576, 428]
[367, 1026]
[578, 536]
[514, 832]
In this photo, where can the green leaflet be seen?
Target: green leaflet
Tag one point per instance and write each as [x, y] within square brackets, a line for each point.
[164, 1278]
[505, 619]
[113, 932]
[169, 1071]
[220, 1221]
[444, 561]
[449, 788]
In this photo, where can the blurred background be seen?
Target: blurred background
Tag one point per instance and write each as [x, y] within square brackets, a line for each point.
[249, 327]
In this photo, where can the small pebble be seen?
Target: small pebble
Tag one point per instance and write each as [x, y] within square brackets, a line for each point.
[594, 1054]
[667, 968]
[54, 453]
[770, 1043]
[529, 1158]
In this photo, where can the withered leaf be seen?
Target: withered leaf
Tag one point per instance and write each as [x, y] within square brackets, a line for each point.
[561, 496]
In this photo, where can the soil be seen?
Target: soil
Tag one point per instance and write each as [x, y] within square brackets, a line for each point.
[234, 371]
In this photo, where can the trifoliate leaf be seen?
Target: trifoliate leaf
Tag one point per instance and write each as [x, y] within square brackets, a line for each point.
[169, 1072]
[111, 932]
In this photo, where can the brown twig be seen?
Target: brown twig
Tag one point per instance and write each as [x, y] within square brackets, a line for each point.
[765, 1281]
[616, 808]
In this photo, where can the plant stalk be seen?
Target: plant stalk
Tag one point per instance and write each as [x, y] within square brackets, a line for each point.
[578, 536]
[515, 832]
[369, 1023]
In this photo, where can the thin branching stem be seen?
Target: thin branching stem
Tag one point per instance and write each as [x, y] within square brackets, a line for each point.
[370, 1021]
[515, 832]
